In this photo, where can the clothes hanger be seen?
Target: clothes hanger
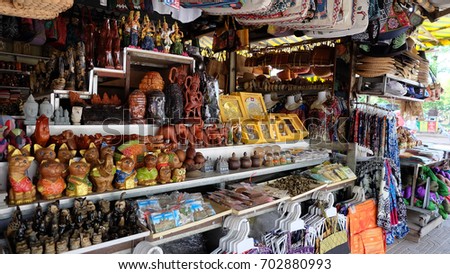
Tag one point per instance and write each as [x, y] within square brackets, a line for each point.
[231, 223]
[242, 242]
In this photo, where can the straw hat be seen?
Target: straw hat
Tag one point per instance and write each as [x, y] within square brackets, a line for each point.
[247, 77]
[268, 101]
[291, 104]
[322, 72]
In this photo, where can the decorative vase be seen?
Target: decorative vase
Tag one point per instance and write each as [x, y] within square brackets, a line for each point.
[137, 103]
[156, 107]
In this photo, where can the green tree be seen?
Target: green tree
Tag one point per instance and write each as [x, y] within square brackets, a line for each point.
[439, 65]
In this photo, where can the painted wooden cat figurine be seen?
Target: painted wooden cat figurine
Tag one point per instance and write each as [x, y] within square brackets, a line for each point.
[22, 190]
[78, 183]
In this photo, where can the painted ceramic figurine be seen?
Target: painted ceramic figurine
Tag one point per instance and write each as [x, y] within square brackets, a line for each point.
[41, 134]
[166, 33]
[51, 185]
[102, 175]
[179, 175]
[125, 173]
[78, 183]
[22, 190]
[148, 31]
[147, 174]
[127, 29]
[163, 167]
[135, 29]
[109, 62]
[177, 39]
[116, 38]
[158, 38]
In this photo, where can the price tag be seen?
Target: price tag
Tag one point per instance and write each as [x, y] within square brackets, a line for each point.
[173, 3]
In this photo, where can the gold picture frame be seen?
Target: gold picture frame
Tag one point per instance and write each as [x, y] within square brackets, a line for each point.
[299, 126]
[268, 130]
[254, 106]
[251, 133]
[231, 108]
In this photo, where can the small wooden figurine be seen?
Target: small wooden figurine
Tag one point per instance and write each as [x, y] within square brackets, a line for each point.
[193, 97]
[91, 155]
[125, 173]
[51, 185]
[64, 156]
[177, 39]
[78, 183]
[44, 153]
[163, 167]
[102, 175]
[179, 174]
[135, 29]
[147, 34]
[41, 134]
[22, 190]
[147, 174]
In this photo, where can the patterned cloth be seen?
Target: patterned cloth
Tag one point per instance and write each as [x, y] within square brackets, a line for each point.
[380, 178]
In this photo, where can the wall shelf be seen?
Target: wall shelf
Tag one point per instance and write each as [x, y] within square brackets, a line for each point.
[383, 80]
[18, 88]
[24, 55]
[15, 71]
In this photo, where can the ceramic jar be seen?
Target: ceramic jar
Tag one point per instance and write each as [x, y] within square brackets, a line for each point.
[256, 159]
[137, 102]
[156, 101]
[246, 162]
[233, 162]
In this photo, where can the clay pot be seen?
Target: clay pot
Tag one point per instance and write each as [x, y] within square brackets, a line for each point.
[246, 162]
[233, 162]
[256, 160]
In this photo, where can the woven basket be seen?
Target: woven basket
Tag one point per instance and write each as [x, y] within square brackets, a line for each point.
[36, 9]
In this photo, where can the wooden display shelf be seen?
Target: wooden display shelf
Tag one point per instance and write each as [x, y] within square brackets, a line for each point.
[259, 207]
[339, 184]
[417, 232]
[210, 178]
[15, 71]
[196, 227]
[108, 246]
[24, 55]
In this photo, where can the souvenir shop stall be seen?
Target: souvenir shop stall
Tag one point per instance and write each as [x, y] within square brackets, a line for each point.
[216, 127]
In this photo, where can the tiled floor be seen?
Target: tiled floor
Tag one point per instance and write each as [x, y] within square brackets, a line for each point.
[436, 242]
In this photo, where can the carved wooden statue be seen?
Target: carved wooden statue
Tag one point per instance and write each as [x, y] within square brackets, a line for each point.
[193, 97]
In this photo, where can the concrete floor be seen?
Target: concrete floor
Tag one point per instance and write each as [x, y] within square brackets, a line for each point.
[435, 242]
